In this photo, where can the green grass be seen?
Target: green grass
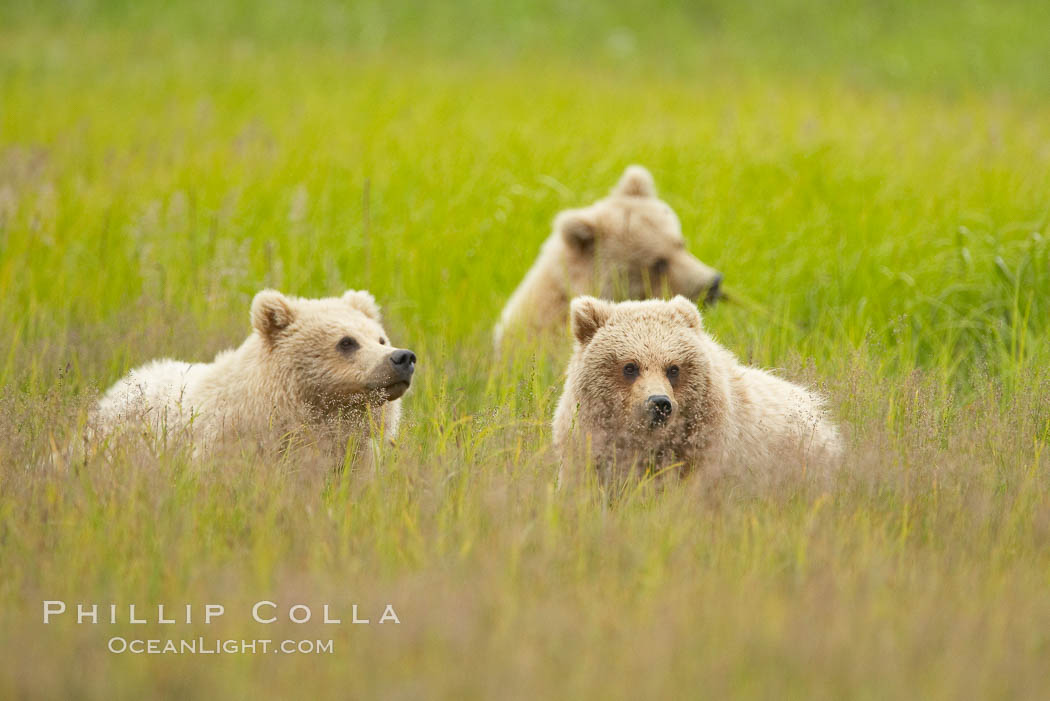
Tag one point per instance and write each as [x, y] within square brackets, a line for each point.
[872, 178]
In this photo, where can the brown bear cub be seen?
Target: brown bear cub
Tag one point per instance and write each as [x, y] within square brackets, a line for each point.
[628, 245]
[649, 389]
[309, 363]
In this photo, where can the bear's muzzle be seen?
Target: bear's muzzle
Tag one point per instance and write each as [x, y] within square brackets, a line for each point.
[659, 408]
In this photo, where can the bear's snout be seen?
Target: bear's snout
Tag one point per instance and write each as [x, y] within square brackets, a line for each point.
[714, 292]
[659, 407]
[404, 362]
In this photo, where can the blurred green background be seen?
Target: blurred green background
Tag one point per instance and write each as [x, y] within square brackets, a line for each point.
[859, 170]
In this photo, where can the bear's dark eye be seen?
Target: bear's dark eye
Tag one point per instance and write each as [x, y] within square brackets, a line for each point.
[346, 344]
[630, 370]
[382, 341]
[672, 372]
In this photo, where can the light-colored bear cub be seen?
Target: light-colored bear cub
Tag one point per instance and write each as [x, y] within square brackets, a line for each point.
[628, 245]
[308, 362]
[648, 388]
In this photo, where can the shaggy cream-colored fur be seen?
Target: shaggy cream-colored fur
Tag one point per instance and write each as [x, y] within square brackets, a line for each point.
[308, 362]
[628, 245]
[648, 388]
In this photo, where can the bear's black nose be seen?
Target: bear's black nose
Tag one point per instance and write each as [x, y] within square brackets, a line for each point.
[404, 361]
[659, 408]
[714, 292]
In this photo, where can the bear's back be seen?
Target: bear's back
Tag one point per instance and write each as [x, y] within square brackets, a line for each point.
[160, 390]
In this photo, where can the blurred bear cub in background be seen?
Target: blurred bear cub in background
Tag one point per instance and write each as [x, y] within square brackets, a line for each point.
[628, 245]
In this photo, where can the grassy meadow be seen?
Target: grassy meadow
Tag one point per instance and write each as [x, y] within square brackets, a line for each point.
[873, 179]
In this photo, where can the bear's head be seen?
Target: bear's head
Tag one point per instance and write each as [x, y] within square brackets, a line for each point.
[334, 350]
[633, 242]
[641, 371]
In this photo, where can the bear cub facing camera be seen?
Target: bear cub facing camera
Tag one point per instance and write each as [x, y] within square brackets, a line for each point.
[308, 362]
[647, 389]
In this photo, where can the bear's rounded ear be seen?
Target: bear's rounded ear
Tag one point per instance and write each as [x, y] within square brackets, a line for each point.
[271, 312]
[588, 315]
[688, 312]
[363, 302]
[576, 229]
[636, 181]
